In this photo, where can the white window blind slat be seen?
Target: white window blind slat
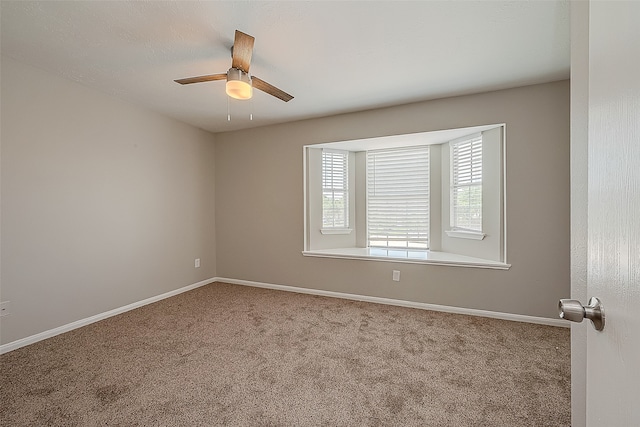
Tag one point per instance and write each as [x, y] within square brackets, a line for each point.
[398, 198]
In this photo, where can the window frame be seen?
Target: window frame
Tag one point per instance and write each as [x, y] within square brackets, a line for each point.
[343, 228]
[444, 250]
[412, 231]
[472, 168]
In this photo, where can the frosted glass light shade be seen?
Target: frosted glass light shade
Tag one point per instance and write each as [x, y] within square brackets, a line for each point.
[239, 90]
[239, 84]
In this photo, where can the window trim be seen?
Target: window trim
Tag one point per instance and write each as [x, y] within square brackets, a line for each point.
[427, 257]
[336, 230]
[464, 234]
[315, 245]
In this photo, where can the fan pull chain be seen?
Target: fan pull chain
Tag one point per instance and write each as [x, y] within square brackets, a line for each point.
[251, 113]
[228, 112]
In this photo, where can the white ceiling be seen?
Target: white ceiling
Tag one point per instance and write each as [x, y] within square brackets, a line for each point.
[333, 57]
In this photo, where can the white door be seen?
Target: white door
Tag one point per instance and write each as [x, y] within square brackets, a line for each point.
[613, 191]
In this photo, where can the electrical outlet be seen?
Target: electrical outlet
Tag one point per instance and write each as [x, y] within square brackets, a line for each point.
[197, 263]
[4, 308]
[396, 275]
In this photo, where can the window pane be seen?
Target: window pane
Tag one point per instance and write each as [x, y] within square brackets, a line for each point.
[466, 184]
[335, 195]
[398, 198]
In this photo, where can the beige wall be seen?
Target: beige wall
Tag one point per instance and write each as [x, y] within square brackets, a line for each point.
[103, 204]
[259, 204]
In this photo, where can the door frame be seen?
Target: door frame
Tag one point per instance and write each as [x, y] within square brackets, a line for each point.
[579, 179]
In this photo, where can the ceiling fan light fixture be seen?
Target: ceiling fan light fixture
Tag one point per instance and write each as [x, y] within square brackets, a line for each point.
[239, 84]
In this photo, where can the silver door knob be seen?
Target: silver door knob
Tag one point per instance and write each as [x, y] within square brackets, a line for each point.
[574, 311]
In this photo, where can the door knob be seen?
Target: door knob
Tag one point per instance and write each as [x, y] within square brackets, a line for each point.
[574, 311]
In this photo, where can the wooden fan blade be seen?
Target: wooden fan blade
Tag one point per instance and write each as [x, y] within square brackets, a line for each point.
[209, 78]
[242, 50]
[270, 89]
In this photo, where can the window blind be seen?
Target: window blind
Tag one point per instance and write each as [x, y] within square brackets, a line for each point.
[335, 189]
[398, 198]
[466, 184]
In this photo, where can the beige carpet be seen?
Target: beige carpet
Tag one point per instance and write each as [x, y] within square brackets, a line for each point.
[232, 355]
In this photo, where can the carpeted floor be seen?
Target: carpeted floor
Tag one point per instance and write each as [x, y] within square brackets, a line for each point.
[232, 355]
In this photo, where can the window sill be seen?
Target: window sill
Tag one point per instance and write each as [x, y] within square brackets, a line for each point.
[336, 230]
[459, 234]
[407, 256]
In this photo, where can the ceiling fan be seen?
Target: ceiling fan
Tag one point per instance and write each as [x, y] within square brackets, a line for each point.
[240, 83]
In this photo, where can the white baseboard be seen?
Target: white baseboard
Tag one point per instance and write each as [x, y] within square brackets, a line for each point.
[5, 348]
[402, 303]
